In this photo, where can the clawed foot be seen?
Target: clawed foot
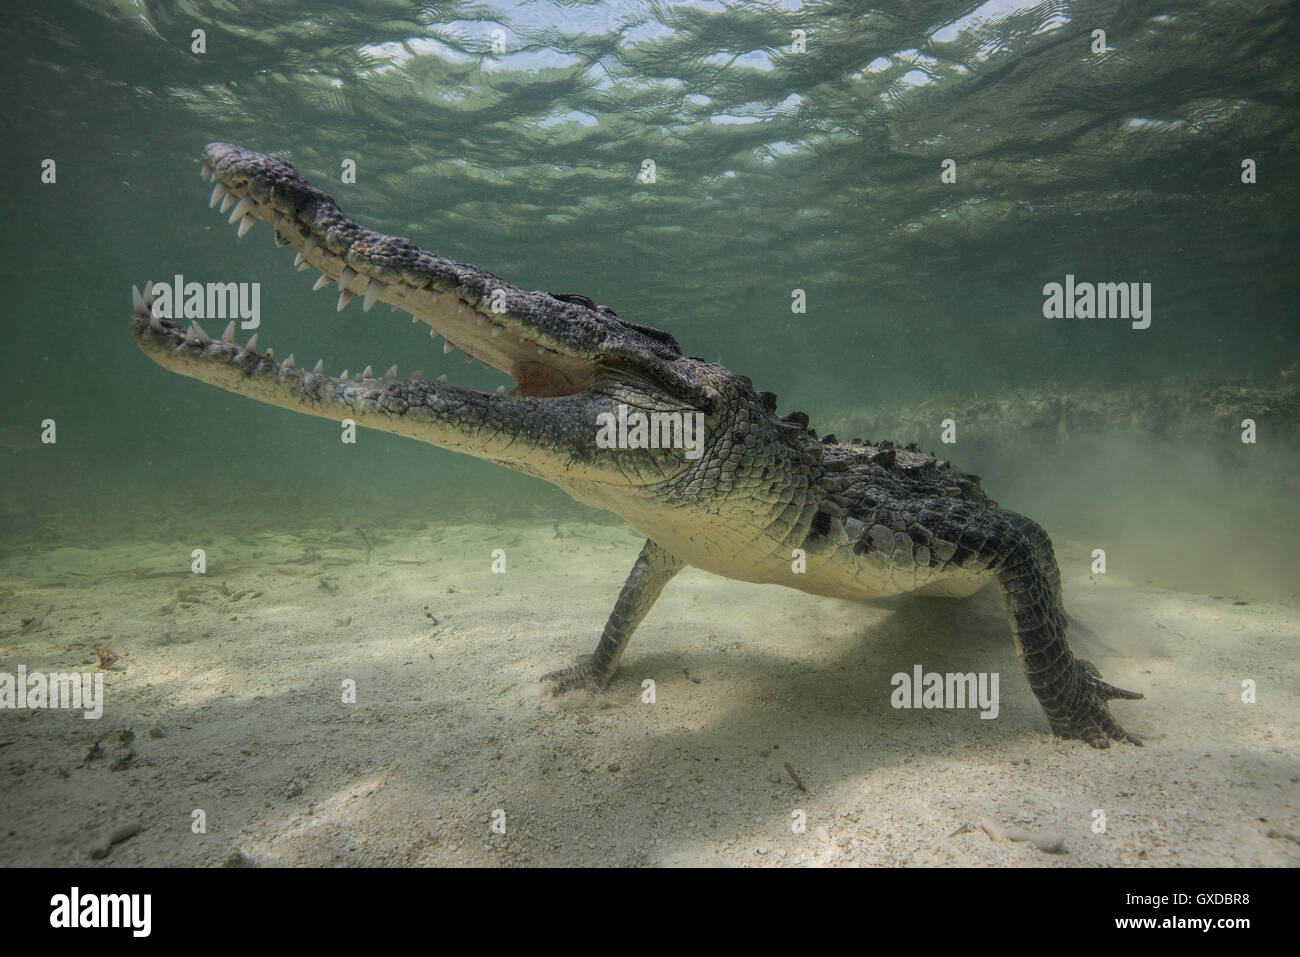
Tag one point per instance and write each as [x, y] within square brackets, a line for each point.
[585, 674]
[1092, 720]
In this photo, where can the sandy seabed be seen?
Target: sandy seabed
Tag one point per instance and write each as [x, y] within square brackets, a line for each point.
[226, 697]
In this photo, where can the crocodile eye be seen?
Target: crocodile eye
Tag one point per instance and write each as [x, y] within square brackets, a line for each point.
[712, 400]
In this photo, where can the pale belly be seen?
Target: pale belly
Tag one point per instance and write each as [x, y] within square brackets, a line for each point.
[748, 553]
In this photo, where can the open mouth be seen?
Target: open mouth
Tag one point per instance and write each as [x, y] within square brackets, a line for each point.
[471, 310]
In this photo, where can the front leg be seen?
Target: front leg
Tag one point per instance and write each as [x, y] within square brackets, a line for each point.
[653, 568]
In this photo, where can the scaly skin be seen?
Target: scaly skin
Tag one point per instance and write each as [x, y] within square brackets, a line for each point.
[870, 519]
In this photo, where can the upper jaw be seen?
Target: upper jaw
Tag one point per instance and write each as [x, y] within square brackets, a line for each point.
[529, 336]
[552, 345]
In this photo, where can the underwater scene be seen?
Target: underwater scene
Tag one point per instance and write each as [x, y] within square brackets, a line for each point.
[666, 434]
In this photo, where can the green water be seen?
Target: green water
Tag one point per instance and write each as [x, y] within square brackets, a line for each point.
[776, 170]
[821, 169]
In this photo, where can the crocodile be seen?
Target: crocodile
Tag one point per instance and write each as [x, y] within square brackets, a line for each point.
[760, 498]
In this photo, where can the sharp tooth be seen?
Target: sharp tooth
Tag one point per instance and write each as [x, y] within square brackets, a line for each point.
[155, 309]
[241, 207]
[319, 366]
[441, 380]
[468, 358]
[373, 290]
[137, 300]
[417, 374]
[203, 171]
[541, 350]
[343, 374]
[447, 347]
[219, 193]
[460, 308]
[155, 323]
[228, 337]
[148, 291]
[321, 282]
[304, 267]
[307, 247]
[496, 331]
[252, 344]
[245, 225]
[346, 276]
[500, 390]
[392, 372]
[367, 373]
[288, 363]
[345, 297]
[194, 334]
[270, 354]
[227, 200]
[415, 318]
[407, 291]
